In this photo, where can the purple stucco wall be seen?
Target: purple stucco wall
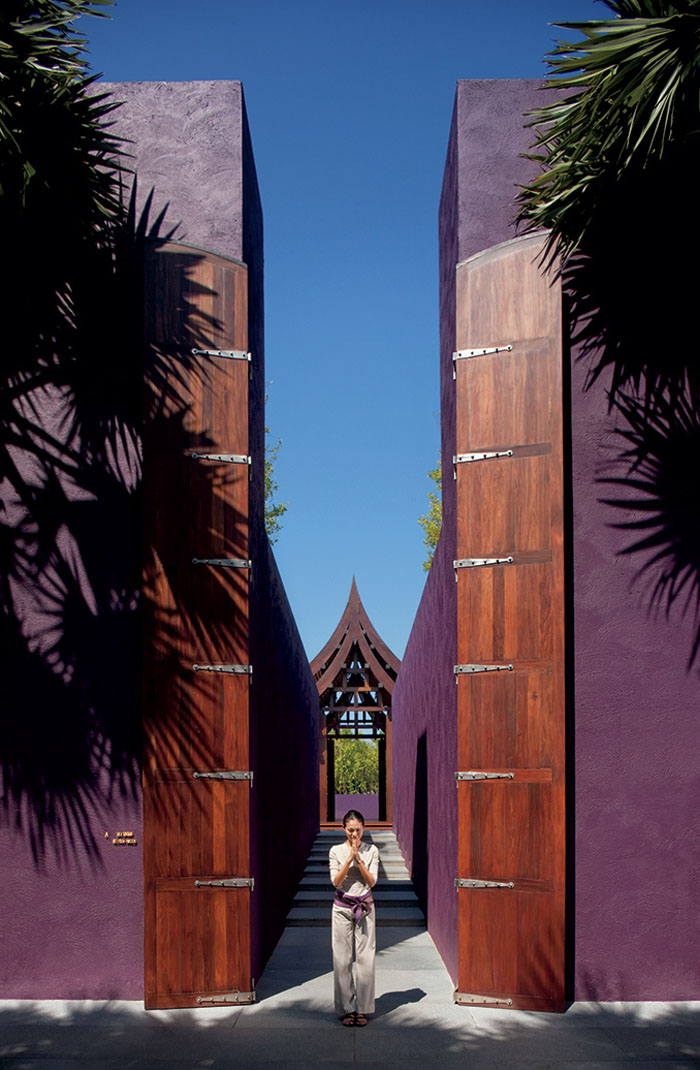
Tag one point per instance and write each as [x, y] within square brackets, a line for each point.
[367, 805]
[284, 701]
[476, 210]
[424, 712]
[634, 781]
[71, 902]
[637, 824]
[187, 146]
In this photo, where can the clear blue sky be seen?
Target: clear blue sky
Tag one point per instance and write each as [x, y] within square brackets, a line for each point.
[349, 107]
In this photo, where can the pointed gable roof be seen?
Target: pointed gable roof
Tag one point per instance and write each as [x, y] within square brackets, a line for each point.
[355, 627]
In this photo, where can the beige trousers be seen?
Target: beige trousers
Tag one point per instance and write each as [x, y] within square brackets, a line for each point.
[353, 994]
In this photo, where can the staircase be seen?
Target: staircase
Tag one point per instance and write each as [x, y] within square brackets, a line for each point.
[394, 897]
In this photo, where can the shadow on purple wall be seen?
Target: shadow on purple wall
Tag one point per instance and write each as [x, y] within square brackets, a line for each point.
[659, 446]
[71, 552]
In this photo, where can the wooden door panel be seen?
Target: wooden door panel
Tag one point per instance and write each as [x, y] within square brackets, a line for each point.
[521, 484]
[198, 829]
[510, 824]
[507, 722]
[189, 919]
[508, 946]
[206, 726]
[510, 721]
[504, 613]
[197, 938]
[493, 411]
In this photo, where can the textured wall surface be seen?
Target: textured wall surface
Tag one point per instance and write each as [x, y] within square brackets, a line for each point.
[71, 902]
[637, 887]
[187, 148]
[633, 755]
[476, 211]
[284, 701]
[424, 711]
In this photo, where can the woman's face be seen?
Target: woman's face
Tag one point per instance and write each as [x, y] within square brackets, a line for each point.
[354, 830]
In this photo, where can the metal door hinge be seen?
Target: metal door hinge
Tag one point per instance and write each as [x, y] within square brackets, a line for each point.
[468, 882]
[471, 670]
[226, 774]
[486, 351]
[485, 455]
[477, 774]
[227, 882]
[229, 997]
[227, 354]
[236, 669]
[224, 458]
[222, 562]
[480, 562]
[470, 997]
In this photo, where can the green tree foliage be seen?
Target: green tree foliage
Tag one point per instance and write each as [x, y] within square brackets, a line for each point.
[618, 190]
[356, 767]
[432, 521]
[274, 511]
[619, 147]
[59, 171]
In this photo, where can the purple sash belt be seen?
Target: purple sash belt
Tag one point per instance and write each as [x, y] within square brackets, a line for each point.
[359, 904]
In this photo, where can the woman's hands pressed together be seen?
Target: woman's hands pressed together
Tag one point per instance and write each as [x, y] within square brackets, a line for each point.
[353, 838]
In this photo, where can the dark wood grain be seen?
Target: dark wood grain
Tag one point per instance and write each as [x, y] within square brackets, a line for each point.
[511, 941]
[197, 939]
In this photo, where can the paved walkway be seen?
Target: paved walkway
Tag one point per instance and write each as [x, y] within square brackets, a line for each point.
[292, 1027]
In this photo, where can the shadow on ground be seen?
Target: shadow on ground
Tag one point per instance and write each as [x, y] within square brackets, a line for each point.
[418, 1031]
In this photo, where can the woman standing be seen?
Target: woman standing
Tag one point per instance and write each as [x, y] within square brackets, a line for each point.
[354, 868]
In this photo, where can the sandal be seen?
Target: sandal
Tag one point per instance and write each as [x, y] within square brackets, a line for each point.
[349, 1019]
[360, 1019]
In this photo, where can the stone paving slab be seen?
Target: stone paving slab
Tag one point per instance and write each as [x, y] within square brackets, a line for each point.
[293, 1027]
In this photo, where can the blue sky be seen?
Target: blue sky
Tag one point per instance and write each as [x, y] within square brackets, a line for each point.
[349, 108]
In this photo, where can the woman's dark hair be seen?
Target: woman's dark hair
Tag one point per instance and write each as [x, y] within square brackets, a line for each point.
[353, 815]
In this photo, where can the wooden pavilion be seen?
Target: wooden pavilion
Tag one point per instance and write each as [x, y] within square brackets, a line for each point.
[354, 673]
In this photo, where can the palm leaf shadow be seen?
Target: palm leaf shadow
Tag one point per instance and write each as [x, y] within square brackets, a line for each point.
[658, 490]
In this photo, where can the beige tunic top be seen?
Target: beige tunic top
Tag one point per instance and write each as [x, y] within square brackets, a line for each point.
[353, 883]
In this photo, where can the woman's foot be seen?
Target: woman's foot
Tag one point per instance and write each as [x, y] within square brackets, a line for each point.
[349, 1019]
[360, 1019]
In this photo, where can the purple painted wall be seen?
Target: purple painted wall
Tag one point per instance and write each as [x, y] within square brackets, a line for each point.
[424, 711]
[71, 899]
[634, 784]
[367, 805]
[637, 923]
[475, 211]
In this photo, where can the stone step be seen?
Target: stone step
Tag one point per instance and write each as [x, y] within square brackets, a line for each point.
[385, 856]
[386, 867]
[323, 898]
[314, 916]
[396, 900]
[322, 883]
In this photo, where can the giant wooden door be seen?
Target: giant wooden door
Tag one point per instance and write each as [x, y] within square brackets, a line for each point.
[510, 574]
[197, 777]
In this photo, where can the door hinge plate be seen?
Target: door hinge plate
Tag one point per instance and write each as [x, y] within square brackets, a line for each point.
[468, 882]
[227, 354]
[228, 997]
[223, 562]
[480, 562]
[490, 1001]
[478, 774]
[227, 882]
[226, 774]
[223, 458]
[231, 669]
[471, 670]
[485, 351]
